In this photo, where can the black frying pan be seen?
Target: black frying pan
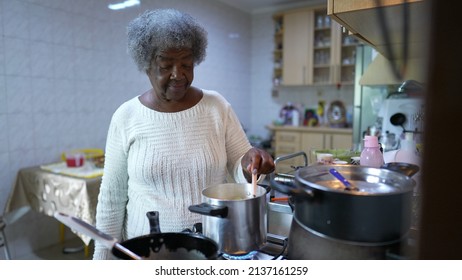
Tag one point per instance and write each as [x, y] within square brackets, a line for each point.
[154, 246]
[169, 246]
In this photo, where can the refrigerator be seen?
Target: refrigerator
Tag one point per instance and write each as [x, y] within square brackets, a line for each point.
[367, 99]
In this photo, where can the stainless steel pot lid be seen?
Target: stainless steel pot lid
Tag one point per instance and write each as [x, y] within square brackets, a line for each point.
[368, 180]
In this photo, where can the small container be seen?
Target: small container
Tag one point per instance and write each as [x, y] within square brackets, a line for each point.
[371, 155]
[408, 151]
[355, 160]
[324, 158]
[290, 115]
[75, 160]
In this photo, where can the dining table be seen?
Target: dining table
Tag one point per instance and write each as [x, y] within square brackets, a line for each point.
[55, 187]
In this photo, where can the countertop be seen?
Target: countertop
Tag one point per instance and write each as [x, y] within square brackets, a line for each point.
[321, 129]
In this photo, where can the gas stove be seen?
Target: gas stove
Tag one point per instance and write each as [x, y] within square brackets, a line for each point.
[274, 249]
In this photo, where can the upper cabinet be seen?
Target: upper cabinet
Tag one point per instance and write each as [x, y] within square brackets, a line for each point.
[310, 49]
[383, 26]
[297, 43]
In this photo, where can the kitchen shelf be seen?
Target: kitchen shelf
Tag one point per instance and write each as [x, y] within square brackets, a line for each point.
[310, 49]
[278, 48]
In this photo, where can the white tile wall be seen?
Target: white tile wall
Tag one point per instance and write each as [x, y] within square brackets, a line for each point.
[64, 70]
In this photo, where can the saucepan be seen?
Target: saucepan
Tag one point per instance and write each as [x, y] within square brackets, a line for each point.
[154, 246]
[234, 216]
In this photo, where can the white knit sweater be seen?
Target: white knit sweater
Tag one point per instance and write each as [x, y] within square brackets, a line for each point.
[162, 161]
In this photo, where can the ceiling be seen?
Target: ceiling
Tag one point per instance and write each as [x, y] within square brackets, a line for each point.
[256, 6]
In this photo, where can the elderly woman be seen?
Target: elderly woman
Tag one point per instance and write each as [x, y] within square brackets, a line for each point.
[168, 144]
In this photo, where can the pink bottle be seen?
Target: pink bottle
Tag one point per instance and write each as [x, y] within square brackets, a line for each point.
[371, 155]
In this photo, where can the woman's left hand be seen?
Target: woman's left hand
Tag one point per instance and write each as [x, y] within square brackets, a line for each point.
[257, 161]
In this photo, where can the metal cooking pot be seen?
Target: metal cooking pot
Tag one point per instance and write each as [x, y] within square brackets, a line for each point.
[379, 212]
[234, 217]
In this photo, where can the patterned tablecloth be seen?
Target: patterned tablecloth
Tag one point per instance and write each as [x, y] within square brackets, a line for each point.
[48, 192]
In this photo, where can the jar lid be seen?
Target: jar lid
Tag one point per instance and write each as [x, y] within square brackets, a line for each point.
[371, 141]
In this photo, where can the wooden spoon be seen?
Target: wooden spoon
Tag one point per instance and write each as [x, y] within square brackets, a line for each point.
[254, 183]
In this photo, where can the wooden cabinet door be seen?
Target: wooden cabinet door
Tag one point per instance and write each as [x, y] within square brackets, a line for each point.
[297, 48]
[287, 143]
[314, 49]
[312, 141]
[339, 141]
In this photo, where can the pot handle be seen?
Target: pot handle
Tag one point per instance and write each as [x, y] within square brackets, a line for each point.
[291, 190]
[209, 210]
[153, 217]
[407, 169]
[267, 188]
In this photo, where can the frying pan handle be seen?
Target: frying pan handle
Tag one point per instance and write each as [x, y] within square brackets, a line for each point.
[91, 231]
[291, 190]
[153, 217]
[209, 210]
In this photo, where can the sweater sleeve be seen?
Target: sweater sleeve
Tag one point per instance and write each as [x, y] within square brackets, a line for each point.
[113, 196]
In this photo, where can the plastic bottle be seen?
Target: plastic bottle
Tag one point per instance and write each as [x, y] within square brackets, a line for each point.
[371, 155]
[290, 115]
[295, 117]
[321, 111]
[285, 114]
[408, 151]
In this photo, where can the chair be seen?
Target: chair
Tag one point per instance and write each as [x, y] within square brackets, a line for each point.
[3, 239]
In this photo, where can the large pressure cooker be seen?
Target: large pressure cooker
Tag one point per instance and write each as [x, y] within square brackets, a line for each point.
[332, 221]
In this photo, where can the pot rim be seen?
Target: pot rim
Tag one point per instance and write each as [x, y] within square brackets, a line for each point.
[262, 191]
[164, 236]
[399, 182]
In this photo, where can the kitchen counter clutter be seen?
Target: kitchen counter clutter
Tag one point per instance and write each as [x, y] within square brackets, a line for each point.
[323, 129]
[291, 139]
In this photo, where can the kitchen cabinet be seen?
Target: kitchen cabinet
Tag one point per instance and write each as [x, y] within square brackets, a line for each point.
[292, 139]
[310, 49]
[297, 67]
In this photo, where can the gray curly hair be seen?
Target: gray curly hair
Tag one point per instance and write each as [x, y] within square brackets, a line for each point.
[157, 30]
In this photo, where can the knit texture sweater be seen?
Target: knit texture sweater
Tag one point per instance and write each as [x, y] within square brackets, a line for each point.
[161, 162]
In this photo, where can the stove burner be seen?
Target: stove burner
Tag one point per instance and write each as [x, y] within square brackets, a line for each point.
[248, 256]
